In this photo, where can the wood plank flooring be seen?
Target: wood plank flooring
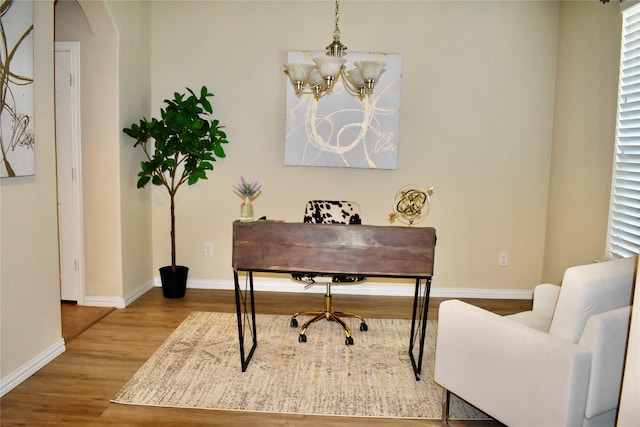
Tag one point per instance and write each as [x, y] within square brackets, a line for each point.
[75, 389]
[77, 318]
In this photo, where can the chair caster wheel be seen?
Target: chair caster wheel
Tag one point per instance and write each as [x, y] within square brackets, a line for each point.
[302, 338]
[364, 327]
[348, 341]
[294, 323]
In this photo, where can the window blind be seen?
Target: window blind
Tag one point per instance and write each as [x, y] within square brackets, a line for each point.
[624, 216]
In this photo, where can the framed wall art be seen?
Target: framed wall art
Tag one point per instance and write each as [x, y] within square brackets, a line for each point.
[341, 130]
[16, 89]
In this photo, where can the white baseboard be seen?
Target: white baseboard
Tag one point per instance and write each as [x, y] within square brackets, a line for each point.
[372, 287]
[137, 293]
[98, 301]
[15, 378]
[117, 302]
[271, 284]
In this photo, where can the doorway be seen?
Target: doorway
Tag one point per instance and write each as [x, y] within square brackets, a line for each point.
[69, 171]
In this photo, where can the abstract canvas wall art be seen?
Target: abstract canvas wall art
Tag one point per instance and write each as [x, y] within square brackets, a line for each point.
[16, 89]
[339, 129]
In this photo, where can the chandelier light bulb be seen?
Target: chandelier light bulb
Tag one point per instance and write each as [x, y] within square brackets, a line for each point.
[355, 77]
[315, 78]
[298, 74]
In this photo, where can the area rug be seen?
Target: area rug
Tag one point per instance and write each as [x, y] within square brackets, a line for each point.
[198, 366]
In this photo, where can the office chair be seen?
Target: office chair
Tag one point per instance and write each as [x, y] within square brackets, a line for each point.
[329, 212]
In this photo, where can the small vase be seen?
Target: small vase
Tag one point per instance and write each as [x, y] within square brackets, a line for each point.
[246, 210]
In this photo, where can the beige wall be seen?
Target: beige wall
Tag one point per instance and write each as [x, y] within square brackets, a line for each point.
[476, 123]
[583, 135]
[133, 26]
[115, 86]
[29, 286]
[90, 23]
[508, 108]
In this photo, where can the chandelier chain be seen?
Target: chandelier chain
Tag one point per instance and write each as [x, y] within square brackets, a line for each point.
[336, 31]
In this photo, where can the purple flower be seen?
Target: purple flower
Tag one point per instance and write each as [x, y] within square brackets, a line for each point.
[246, 189]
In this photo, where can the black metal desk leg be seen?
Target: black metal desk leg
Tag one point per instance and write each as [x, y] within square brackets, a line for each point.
[243, 317]
[419, 324]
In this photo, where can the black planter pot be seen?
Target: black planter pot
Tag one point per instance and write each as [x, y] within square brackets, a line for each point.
[174, 282]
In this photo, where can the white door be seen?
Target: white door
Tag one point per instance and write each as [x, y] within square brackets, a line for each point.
[67, 82]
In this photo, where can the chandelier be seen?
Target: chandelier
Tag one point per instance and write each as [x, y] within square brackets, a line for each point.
[320, 78]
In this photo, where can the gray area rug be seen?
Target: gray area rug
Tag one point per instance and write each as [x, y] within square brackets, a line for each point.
[198, 366]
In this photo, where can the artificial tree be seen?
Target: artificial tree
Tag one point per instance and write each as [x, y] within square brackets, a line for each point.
[186, 142]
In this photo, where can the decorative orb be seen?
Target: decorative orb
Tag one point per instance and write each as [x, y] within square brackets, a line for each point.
[411, 204]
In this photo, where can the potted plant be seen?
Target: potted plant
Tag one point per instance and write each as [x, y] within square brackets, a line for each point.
[186, 143]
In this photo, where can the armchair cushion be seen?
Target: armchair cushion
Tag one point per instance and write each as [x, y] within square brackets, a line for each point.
[591, 289]
[533, 319]
[545, 297]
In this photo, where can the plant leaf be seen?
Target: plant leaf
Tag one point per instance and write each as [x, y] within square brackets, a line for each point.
[143, 181]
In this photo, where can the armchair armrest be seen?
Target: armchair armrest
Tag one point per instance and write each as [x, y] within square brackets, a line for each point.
[605, 334]
[545, 297]
[519, 375]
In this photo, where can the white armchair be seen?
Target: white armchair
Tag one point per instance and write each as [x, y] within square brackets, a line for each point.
[558, 365]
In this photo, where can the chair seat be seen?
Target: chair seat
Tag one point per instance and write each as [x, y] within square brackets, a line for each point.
[532, 319]
[313, 278]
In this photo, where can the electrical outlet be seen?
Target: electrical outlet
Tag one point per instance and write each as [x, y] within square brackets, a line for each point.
[208, 249]
[503, 259]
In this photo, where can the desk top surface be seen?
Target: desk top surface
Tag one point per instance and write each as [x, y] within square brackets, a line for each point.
[372, 250]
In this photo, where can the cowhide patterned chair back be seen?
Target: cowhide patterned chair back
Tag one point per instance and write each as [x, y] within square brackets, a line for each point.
[329, 212]
[332, 212]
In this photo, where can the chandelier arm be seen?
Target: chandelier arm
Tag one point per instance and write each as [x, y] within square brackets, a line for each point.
[353, 90]
[313, 90]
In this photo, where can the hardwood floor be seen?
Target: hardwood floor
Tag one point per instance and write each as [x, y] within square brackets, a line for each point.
[75, 389]
[77, 318]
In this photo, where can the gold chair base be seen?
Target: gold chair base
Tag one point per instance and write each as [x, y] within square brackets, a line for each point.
[331, 315]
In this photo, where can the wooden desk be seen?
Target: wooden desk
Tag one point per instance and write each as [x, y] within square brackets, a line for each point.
[373, 251]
